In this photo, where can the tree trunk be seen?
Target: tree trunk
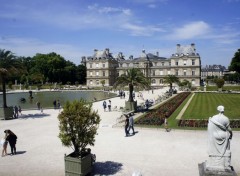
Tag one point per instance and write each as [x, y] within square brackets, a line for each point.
[4, 92]
[130, 93]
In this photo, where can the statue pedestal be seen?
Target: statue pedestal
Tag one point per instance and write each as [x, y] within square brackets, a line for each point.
[204, 171]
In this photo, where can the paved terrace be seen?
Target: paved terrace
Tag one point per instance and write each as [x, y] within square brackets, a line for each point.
[151, 152]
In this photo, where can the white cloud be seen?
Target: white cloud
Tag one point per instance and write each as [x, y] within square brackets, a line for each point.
[29, 47]
[141, 30]
[152, 6]
[191, 30]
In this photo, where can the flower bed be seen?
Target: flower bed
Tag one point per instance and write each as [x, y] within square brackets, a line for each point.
[156, 116]
[203, 123]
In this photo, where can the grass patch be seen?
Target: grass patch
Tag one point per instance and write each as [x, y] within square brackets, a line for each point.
[204, 105]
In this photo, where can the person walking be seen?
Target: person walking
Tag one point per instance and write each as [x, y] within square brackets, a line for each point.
[4, 143]
[12, 139]
[55, 104]
[38, 105]
[20, 110]
[131, 124]
[109, 105]
[15, 112]
[127, 126]
[104, 105]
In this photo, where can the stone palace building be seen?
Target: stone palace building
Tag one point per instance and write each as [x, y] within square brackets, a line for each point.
[185, 64]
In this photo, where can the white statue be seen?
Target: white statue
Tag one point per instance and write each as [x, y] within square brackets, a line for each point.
[219, 135]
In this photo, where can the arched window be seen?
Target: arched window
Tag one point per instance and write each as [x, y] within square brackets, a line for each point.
[153, 81]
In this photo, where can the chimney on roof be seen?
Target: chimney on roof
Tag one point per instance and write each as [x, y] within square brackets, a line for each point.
[178, 48]
[143, 51]
[95, 51]
[107, 51]
[193, 47]
[120, 54]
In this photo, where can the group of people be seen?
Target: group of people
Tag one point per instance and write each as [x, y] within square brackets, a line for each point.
[129, 124]
[10, 138]
[57, 104]
[16, 111]
[122, 94]
[109, 105]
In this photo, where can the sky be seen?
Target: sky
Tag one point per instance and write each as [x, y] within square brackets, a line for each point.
[74, 28]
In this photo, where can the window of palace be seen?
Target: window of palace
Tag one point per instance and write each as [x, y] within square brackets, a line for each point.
[153, 72]
[90, 73]
[193, 62]
[97, 73]
[153, 81]
[162, 63]
[90, 82]
[97, 65]
[193, 72]
[103, 65]
[176, 63]
[169, 63]
[97, 82]
[176, 72]
[90, 65]
[161, 81]
[184, 62]
[103, 73]
[127, 64]
[193, 81]
[168, 72]
[161, 72]
[185, 72]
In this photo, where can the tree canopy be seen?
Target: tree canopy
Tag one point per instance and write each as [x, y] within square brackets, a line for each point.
[170, 79]
[133, 77]
[9, 65]
[235, 63]
[43, 68]
[78, 125]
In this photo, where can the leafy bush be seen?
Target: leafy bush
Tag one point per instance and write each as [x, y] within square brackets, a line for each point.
[78, 125]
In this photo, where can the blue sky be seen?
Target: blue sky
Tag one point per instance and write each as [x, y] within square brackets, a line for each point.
[74, 28]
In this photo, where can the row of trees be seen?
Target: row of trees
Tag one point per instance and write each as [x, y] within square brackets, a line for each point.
[41, 68]
[38, 69]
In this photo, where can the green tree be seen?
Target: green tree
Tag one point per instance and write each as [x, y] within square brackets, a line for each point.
[9, 65]
[78, 125]
[102, 82]
[235, 63]
[170, 79]
[133, 77]
[219, 82]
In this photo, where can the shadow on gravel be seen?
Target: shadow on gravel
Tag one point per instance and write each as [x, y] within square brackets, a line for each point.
[20, 152]
[106, 168]
[32, 116]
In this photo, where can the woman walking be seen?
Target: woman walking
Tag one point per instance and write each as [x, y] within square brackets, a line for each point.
[12, 139]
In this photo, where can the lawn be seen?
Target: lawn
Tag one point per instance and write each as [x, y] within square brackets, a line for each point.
[204, 105]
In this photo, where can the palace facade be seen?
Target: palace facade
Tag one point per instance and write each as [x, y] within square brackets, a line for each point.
[185, 64]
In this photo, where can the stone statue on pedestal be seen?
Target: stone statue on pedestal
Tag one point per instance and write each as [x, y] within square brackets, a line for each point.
[219, 136]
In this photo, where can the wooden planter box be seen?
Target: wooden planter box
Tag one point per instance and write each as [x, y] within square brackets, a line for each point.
[77, 166]
[6, 113]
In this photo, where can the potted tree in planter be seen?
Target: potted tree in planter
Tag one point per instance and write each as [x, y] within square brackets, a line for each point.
[78, 125]
[219, 82]
[133, 77]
